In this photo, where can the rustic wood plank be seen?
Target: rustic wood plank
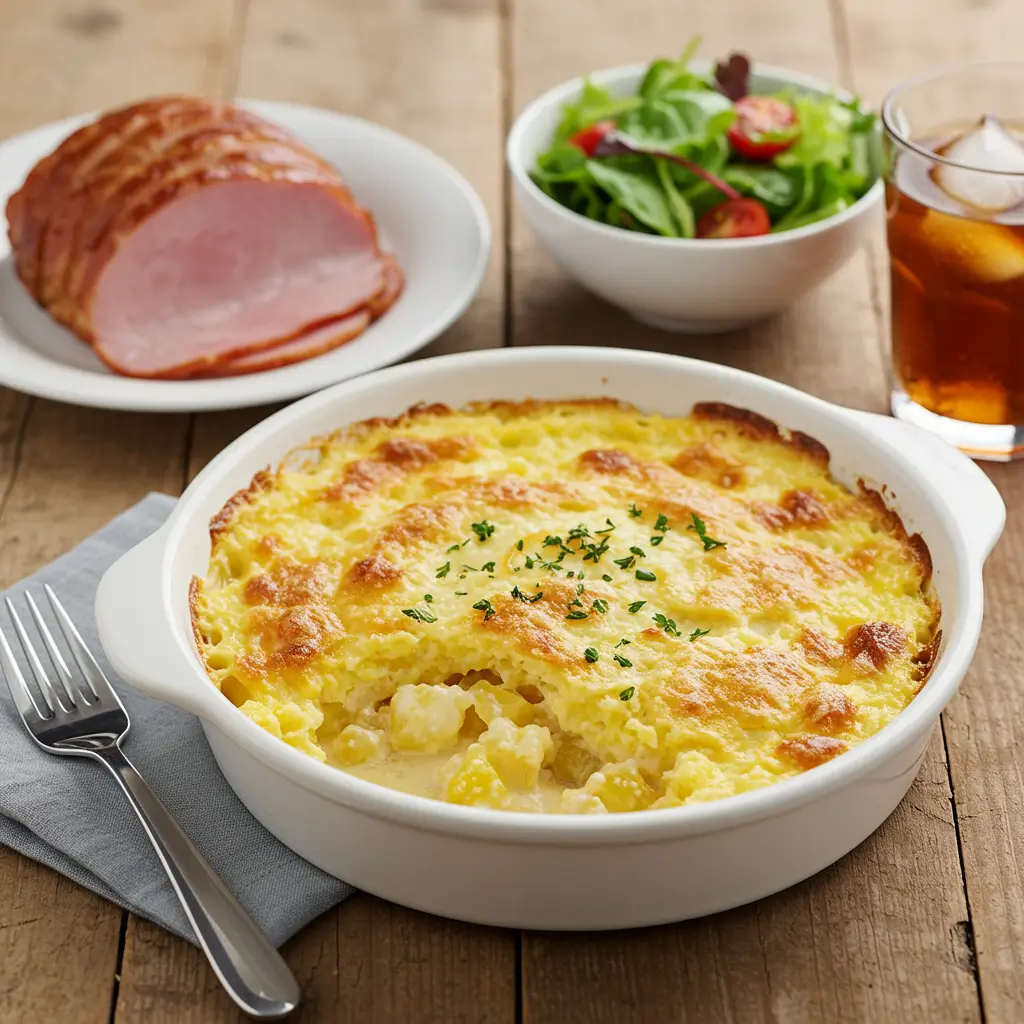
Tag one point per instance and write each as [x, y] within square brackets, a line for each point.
[433, 72]
[64, 471]
[983, 725]
[879, 936]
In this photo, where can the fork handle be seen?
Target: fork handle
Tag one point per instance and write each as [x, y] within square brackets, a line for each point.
[250, 969]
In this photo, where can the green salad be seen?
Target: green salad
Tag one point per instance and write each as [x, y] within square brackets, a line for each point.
[698, 156]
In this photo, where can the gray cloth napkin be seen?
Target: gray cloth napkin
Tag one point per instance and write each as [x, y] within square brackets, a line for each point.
[68, 813]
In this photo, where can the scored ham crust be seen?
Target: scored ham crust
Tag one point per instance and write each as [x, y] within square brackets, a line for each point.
[186, 237]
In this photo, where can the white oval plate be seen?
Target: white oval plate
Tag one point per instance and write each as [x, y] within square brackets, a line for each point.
[427, 213]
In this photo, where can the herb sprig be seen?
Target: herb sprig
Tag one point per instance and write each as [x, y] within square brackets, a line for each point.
[420, 614]
[702, 533]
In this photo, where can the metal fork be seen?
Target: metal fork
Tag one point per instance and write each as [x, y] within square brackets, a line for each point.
[88, 720]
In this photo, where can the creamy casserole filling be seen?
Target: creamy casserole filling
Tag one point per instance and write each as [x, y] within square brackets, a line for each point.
[565, 606]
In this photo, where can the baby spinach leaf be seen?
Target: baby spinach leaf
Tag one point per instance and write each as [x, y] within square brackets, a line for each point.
[705, 114]
[777, 189]
[637, 193]
[561, 162]
[813, 216]
[681, 209]
[663, 74]
[656, 124]
[594, 104]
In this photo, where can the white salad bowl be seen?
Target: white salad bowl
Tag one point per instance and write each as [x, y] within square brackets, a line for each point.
[562, 871]
[683, 284]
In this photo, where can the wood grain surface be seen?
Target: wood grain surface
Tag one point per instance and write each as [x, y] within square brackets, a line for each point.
[923, 922]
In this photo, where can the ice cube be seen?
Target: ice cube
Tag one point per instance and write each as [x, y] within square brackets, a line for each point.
[988, 147]
[972, 249]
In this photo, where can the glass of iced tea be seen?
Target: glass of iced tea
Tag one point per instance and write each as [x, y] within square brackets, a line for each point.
[954, 158]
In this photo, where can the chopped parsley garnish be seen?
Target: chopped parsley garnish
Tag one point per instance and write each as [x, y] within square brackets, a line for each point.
[428, 598]
[606, 578]
[576, 615]
[636, 606]
[529, 562]
[591, 654]
[699, 633]
[579, 574]
[702, 532]
[575, 603]
[579, 587]
[661, 525]
[639, 552]
[519, 545]
[600, 605]
[462, 593]
[622, 660]
[483, 530]
[623, 642]
[454, 547]
[520, 596]
[645, 576]
[669, 625]
[610, 527]
[552, 542]
[570, 575]
[420, 614]
[655, 541]
[443, 571]
[486, 607]
[628, 692]
[579, 533]
[634, 511]
[595, 551]
[626, 563]
[487, 567]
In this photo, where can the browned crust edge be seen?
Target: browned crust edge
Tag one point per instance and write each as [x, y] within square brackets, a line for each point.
[220, 522]
[193, 613]
[758, 427]
[926, 658]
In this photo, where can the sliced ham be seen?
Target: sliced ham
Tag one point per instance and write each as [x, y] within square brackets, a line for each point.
[314, 342]
[319, 340]
[184, 237]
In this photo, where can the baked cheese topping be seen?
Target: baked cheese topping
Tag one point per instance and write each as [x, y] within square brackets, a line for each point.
[565, 606]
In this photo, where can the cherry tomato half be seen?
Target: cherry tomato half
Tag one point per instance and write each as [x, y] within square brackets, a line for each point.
[590, 138]
[735, 218]
[764, 127]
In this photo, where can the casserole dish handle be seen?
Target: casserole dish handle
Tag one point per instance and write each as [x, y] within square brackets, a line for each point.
[137, 633]
[973, 499]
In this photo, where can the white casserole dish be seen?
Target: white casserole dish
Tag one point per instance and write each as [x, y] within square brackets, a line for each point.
[562, 871]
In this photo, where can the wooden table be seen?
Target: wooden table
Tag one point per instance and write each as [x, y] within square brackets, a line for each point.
[924, 922]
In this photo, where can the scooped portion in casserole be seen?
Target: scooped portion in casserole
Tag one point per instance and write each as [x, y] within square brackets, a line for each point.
[565, 606]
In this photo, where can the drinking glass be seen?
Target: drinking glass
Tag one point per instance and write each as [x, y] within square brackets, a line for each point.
[954, 168]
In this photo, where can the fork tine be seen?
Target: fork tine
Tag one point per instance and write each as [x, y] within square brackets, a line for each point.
[60, 666]
[88, 665]
[16, 681]
[53, 702]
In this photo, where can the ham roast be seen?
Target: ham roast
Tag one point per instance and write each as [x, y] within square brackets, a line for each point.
[184, 237]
